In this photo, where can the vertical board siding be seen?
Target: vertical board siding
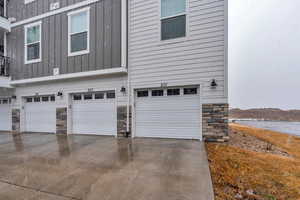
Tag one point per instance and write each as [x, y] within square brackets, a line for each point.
[105, 42]
[197, 58]
[19, 10]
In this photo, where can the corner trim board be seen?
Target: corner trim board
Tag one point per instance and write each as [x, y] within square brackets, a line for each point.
[71, 75]
[124, 30]
[55, 12]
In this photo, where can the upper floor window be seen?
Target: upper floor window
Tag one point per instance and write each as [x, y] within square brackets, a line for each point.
[28, 1]
[33, 43]
[173, 19]
[78, 34]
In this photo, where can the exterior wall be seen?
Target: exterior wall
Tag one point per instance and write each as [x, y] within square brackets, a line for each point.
[21, 11]
[215, 122]
[6, 92]
[196, 59]
[67, 87]
[105, 40]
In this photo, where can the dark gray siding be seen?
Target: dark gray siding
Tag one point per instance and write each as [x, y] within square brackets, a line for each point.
[20, 10]
[105, 44]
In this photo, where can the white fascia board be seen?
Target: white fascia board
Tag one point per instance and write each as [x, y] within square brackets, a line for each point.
[119, 70]
[5, 82]
[5, 24]
[124, 38]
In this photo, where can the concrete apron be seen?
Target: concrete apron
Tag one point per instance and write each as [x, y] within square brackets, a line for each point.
[61, 167]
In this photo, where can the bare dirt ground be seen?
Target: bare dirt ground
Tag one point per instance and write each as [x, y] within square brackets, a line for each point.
[255, 164]
[252, 143]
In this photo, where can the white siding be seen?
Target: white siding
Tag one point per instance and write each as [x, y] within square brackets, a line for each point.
[68, 87]
[72, 86]
[197, 58]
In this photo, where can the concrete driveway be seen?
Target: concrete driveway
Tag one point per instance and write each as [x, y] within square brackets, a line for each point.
[57, 167]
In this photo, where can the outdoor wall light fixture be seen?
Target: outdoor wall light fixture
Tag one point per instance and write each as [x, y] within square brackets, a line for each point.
[59, 94]
[123, 89]
[213, 84]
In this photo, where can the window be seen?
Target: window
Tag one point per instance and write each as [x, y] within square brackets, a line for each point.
[77, 97]
[143, 93]
[188, 91]
[78, 38]
[28, 100]
[156, 93]
[173, 92]
[99, 95]
[110, 95]
[5, 101]
[52, 98]
[88, 96]
[33, 43]
[28, 1]
[173, 19]
[45, 99]
[36, 99]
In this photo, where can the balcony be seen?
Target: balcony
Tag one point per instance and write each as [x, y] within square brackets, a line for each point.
[4, 66]
[4, 22]
[4, 72]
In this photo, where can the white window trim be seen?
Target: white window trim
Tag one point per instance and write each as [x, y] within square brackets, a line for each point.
[70, 14]
[25, 43]
[186, 13]
[28, 1]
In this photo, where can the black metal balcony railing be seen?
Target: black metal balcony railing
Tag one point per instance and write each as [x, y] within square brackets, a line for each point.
[2, 13]
[4, 66]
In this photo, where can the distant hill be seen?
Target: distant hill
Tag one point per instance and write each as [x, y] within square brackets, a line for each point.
[266, 113]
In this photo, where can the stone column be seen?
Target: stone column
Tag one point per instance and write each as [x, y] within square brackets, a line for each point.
[16, 120]
[61, 120]
[215, 122]
[122, 120]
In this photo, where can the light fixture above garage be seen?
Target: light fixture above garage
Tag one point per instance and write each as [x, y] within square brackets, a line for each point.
[213, 84]
[59, 94]
[123, 89]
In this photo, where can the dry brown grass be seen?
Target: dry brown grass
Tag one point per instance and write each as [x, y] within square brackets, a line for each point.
[236, 170]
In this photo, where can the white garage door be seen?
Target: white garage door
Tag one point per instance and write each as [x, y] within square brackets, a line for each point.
[40, 114]
[94, 113]
[168, 113]
[5, 115]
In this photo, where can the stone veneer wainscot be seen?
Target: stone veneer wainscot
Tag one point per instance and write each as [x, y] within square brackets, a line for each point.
[122, 120]
[215, 122]
[16, 120]
[61, 120]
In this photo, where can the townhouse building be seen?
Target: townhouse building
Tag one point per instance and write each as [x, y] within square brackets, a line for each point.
[145, 68]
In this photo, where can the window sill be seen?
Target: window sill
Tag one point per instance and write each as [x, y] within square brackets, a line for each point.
[173, 41]
[79, 53]
[27, 62]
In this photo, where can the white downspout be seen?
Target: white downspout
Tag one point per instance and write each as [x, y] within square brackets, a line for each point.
[4, 36]
[124, 58]
[5, 6]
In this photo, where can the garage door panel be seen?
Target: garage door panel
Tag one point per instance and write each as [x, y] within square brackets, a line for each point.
[40, 116]
[94, 116]
[5, 117]
[158, 116]
[168, 117]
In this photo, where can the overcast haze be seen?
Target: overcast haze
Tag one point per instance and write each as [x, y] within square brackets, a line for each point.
[264, 53]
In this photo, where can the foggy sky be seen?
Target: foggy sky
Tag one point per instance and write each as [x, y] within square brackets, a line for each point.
[264, 53]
